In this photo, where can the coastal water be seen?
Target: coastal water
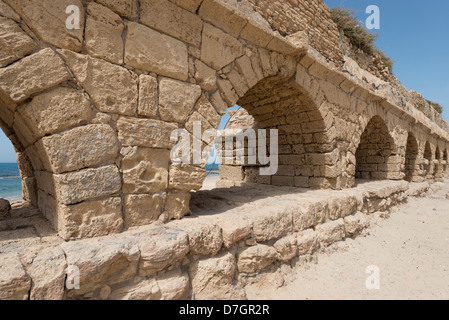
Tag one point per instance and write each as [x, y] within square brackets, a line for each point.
[10, 182]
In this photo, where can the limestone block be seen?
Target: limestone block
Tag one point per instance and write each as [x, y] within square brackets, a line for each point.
[331, 232]
[90, 219]
[161, 247]
[148, 99]
[164, 16]
[174, 285]
[102, 261]
[48, 271]
[81, 147]
[103, 33]
[177, 99]
[47, 19]
[112, 88]
[224, 16]
[7, 12]
[152, 51]
[256, 258]
[144, 290]
[234, 228]
[287, 248]
[145, 133]
[145, 170]
[218, 103]
[32, 74]
[205, 76]
[5, 208]
[87, 184]
[269, 223]
[14, 42]
[257, 33]
[55, 110]
[212, 278]
[219, 49]
[15, 284]
[204, 237]
[307, 242]
[354, 224]
[205, 108]
[310, 214]
[191, 5]
[125, 8]
[186, 178]
[177, 205]
[142, 209]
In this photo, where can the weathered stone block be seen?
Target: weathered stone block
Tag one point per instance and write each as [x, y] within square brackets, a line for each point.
[177, 99]
[15, 284]
[112, 88]
[125, 8]
[174, 285]
[287, 248]
[56, 110]
[47, 19]
[5, 208]
[37, 72]
[204, 237]
[307, 242]
[212, 278]
[145, 133]
[206, 76]
[271, 224]
[102, 261]
[177, 205]
[14, 42]
[186, 177]
[145, 170]
[149, 50]
[256, 258]
[164, 16]
[80, 148]
[142, 209]
[161, 247]
[148, 100]
[48, 271]
[90, 219]
[103, 33]
[87, 184]
[331, 232]
[219, 49]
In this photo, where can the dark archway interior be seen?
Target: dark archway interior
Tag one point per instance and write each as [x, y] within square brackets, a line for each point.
[428, 157]
[375, 150]
[411, 155]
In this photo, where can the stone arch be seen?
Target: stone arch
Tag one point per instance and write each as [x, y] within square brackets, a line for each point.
[376, 155]
[411, 157]
[427, 156]
[307, 154]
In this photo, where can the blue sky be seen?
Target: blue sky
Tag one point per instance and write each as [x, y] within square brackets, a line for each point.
[415, 34]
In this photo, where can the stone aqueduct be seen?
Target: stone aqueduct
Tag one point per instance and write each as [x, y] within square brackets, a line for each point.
[90, 111]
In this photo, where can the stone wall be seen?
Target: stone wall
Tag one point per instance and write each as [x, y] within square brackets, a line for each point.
[91, 111]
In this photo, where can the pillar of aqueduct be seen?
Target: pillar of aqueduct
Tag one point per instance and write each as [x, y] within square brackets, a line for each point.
[90, 111]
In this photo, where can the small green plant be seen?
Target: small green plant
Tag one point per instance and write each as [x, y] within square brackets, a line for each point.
[358, 35]
[436, 106]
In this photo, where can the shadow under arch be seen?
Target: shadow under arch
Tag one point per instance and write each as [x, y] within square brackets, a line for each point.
[304, 145]
[428, 163]
[376, 155]
[411, 157]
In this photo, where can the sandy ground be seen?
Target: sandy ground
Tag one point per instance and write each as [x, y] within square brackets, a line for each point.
[410, 249]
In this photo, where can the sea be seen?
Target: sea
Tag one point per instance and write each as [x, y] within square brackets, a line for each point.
[10, 181]
[212, 169]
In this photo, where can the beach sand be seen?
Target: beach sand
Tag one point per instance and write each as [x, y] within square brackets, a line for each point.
[411, 250]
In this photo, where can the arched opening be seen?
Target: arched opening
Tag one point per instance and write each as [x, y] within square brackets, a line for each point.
[376, 156]
[411, 156]
[445, 164]
[428, 160]
[306, 158]
[437, 165]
